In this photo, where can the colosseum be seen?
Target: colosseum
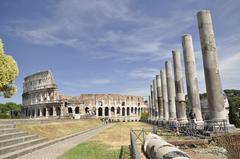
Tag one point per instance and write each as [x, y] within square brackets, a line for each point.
[40, 99]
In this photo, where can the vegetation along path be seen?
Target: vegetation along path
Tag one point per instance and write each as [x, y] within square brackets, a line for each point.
[59, 148]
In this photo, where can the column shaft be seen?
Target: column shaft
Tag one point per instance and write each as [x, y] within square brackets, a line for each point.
[164, 95]
[191, 76]
[211, 69]
[179, 88]
[171, 92]
[159, 97]
[155, 100]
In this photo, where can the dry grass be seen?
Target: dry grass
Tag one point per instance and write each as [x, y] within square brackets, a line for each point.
[118, 134]
[59, 128]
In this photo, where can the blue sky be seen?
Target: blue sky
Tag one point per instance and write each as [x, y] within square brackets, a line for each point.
[113, 46]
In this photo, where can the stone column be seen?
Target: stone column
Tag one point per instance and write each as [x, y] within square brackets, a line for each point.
[155, 100]
[191, 76]
[149, 108]
[54, 111]
[40, 112]
[164, 95]
[97, 112]
[152, 102]
[179, 88]
[159, 97]
[171, 92]
[47, 112]
[35, 113]
[211, 69]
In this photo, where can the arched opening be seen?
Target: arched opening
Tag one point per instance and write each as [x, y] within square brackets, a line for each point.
[70, 110]
[33, 113]
[58, 111]
[132, 110]
[100, 103]
[141, 110]
[106, 111]
[38, 112]
[138, 111]
[112, 111]
[86, 110]
[128, 112]
[123, 111]
[44, 111]
[51, 111]
[118, 110]
[123, 103]
[100, 112]
[135, 110]
[77, 110]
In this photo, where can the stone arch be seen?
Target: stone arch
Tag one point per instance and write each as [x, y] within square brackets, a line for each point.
[86, 110]
[58, 111]
[51, 111]
[32, 113]
[70, 111]
[118, 110]
[106, 111]
[100, 113]
[44, 111]
[38, 112]
[123, 111]
[100, 103]
[112, 110]
[77, 111]
[128, 111]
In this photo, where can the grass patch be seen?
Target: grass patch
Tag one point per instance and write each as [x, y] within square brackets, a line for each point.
[91, 150]
[107, 144]
[59, 128]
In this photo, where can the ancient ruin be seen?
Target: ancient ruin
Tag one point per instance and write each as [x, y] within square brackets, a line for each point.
[40, 99]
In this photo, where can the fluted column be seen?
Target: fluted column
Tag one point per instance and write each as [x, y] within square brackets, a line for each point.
[164, 95]
[171, 93]
[179, 88]
[211, 69]
[191, 76]
[159, 97]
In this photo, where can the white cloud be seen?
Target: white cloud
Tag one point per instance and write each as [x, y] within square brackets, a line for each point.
[144, 73]
[100, 28]
[101, 81]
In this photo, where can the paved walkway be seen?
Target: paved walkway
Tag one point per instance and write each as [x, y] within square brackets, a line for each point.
[59, 148]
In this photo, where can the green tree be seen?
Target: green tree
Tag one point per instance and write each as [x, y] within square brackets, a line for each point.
[8, 73]
[10, 110]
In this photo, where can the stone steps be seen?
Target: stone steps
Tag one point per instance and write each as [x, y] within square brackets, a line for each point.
[7, 126]
[14, 144]
[22, 145]
[7, 130]
[8, 142]
[12, 135]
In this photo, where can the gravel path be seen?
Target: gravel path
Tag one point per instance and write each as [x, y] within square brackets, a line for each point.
[59, 148]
